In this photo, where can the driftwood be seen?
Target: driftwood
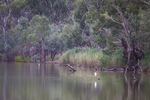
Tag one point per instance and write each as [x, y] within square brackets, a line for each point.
[71, 67]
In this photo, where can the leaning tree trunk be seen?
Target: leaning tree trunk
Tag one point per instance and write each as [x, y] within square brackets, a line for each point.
[126, 32]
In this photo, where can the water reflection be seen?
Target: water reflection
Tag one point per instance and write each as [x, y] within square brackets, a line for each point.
[51, 82]
[95, 84]
[4, 84]
[132, 86]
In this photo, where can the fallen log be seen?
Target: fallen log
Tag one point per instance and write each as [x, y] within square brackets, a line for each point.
[69, 66]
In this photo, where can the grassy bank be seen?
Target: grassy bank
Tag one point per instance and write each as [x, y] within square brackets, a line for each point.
[90, 57]
[86, 57]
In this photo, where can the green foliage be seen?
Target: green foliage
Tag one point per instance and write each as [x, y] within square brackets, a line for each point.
[23, 21]
[2, 57]
[38, 28]
[114, 58]
[117, 58]
[21, 59]
[91, 57]
[17, 38]
[55, 44]
[17, 6]
[71, 35]
[105, 60]
[82, 57]
[55, 9]
[143, 36]
[39, 25]
[80, 11]
[66, 24]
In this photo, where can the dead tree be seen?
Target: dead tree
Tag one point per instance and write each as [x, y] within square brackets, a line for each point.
[130, 52]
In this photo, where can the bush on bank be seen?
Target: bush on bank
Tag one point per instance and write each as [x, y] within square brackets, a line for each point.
[21, 59]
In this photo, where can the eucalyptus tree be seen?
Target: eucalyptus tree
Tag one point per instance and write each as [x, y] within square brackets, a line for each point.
[71, 35]
[143, 30]
[55, 10]
[5, 17]
[126, 11]
[80, 15]
[37, 30]
[113, 20]
[17, 38]
[55, 45]
[9, 12]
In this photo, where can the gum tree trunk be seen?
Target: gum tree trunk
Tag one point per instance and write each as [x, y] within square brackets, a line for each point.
[5, 22]
[126, 33]
[42, 53]
[131, 52]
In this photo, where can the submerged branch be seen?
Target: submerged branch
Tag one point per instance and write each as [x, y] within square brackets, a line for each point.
[68, 65]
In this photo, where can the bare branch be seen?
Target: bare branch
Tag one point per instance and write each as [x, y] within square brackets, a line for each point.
[7, 17]
[147, 3]
[83, 16]
[110, 17]
[123, 19]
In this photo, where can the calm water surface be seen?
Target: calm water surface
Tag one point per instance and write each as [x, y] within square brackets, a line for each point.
[22, 81]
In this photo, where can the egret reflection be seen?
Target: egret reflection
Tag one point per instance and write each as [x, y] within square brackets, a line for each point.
[95, 84]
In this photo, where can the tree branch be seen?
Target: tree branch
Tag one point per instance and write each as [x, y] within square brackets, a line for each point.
[110, 17]
[146, 2]
[123, 20]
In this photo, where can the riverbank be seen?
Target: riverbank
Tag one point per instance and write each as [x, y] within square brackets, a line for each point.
[98, 59]
[89, 58]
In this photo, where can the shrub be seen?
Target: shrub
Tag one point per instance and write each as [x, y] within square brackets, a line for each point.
[21, 59]
[117, 58]
[2, 57]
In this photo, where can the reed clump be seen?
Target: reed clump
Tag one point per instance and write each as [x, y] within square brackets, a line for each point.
[91, 57]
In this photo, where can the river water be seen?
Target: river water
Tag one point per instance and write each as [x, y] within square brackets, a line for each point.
[28, 81]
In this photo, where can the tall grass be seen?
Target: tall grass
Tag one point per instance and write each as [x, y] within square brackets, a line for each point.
[91, 57]
[82, 57]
